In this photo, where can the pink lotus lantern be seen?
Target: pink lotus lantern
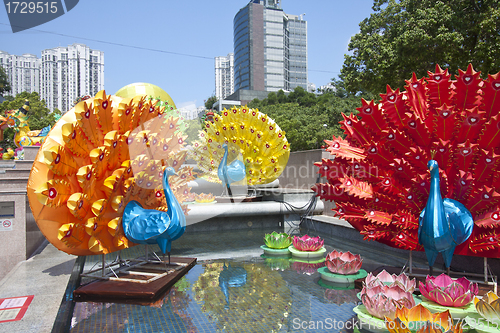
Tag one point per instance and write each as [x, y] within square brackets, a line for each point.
[447, 291]
[383, 300]
[307, 243]
[344, 263]
[384, 278]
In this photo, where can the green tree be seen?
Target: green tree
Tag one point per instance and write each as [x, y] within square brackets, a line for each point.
[308, 119]
[302, 97]
[282, 98]
[272, 98]
[194, 126]
[4, 82]
[405, 36]
[39, 115]
[209, 103]
[308, 127]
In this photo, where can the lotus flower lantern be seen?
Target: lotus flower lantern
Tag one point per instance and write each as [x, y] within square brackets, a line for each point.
[447, 291]
[383, 300]
[384, 278]
[419, 319]
[307, 243]
[489, 307]
[276, 240]
[344, 263]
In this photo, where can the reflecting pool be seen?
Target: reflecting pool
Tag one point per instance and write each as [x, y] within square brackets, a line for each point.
[235, 288]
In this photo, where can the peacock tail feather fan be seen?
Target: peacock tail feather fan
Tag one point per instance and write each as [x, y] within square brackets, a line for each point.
[379, 178]
[102, 154]
[171, 110]
[260, 140]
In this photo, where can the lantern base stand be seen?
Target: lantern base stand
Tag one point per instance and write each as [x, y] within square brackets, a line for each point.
[141, 282]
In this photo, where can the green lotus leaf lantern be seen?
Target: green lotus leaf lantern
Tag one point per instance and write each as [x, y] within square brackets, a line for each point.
[278, 240]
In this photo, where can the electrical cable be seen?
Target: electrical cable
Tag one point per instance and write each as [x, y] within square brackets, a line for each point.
[145, 48]
[310, 204]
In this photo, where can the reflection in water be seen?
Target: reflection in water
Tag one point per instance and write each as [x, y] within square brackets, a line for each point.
[233, 277]
[261, 296]
[106, 317]
[277, 262]
[341, 296]
[180, 300]
[170, 313]
[307, 267]
[229, 296]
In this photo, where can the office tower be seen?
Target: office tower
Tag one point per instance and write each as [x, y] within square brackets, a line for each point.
[70, 72]
[23, 72]
[224, 76]
[270, 48]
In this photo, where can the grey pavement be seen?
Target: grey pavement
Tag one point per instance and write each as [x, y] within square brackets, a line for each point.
[44, 275]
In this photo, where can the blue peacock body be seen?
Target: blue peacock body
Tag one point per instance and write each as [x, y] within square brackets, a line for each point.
[443, 224]
[149, 226]
[232, 173]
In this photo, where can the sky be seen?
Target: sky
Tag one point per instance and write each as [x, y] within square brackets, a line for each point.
[172, 44]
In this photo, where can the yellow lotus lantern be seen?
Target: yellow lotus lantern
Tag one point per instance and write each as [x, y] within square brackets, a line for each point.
[489, 307]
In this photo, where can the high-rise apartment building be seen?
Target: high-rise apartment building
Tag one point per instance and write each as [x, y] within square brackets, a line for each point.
[224, 76]
[61, 76]
[70, 72]
[23, 72]
[270, 48]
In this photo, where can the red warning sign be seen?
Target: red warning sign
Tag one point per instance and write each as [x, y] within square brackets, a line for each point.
[5, 225]
[14, 308]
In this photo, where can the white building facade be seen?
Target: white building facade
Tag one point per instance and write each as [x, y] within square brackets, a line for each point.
[70, 72]
[224, 76]
[23, 72]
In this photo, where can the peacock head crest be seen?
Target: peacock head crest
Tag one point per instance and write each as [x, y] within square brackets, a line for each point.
[170, 171]
[433, 153]
[432, 165]
[224, 146]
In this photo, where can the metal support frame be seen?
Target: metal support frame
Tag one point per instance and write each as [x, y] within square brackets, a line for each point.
[149, 269]
[487, 276]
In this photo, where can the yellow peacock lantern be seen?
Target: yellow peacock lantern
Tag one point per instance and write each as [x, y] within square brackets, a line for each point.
[101, 155]
[260, 140]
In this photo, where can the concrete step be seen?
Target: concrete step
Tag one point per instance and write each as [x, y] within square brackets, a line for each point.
[24, 165]
[16, 173]
[30, 152]
[5, 165]
[13, 182]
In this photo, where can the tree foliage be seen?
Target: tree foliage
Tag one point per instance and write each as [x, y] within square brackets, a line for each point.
[4, 82]
[209, 103]
[303, 115]
[192, 130]
[406, 36]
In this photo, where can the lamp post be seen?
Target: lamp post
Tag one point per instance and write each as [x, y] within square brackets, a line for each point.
[325, 126]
